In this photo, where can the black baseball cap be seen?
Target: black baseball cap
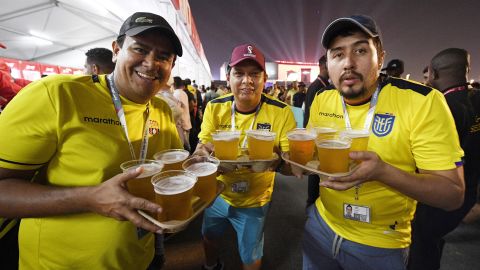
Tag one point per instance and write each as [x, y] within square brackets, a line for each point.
[143, 21]
[363, 22]
[394, 64]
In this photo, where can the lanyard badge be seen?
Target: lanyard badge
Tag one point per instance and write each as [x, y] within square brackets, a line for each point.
[117, 103]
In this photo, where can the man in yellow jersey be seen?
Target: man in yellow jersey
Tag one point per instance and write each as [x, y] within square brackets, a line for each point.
[245, 201]
[413, 155]
[62, 142]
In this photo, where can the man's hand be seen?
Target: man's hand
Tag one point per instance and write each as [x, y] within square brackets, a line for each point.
[112, 199]
[370, 168]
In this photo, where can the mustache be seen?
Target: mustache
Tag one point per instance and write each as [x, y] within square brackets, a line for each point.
[351, 74]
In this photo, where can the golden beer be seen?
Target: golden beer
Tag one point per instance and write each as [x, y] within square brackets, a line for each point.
[173, 192]
[226, 144]
[141, 186]
[172, 158]
[205, 168]
[359, 138]
[301, 145]
[260, 144]
[333, 154]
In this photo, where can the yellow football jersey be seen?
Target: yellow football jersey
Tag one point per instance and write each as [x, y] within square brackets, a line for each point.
[412, 128]
[67, 127]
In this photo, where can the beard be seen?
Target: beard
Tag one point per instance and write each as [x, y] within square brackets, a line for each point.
[351, 93]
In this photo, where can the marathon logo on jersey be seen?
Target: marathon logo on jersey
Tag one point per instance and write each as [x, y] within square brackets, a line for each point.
[225, 127]
[264, 126]
[382, 124]
[153, 127]
[100, 120]
[329, 114]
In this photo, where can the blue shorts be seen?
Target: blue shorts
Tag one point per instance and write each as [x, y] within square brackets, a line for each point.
[323, 249]
[247, 222]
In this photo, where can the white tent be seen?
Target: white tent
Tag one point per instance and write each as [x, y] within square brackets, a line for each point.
[59, 32]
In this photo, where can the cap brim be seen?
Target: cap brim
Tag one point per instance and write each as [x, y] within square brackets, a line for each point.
[176, 42]
[247, 58]
[339, 24]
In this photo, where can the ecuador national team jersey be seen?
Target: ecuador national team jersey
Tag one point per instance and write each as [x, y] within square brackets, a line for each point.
[274, 116]
[412, 128]
[66, 126]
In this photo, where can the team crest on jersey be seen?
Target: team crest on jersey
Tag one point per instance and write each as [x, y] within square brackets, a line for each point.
[382, 124]
[264, 126]
[153, 128]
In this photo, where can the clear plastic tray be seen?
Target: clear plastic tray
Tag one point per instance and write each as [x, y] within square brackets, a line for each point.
[243, 161]
[173, 226]
[312, 167]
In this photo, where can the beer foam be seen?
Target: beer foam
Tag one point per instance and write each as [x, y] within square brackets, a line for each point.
[149, 169]
[202, 169]
[333, 144]
[174, 184]
[262, 135]
[226, 135]
[173, 156]
[301, 136]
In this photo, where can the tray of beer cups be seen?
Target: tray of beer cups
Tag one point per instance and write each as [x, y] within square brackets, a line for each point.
[184, 194]
[324, 153]
[259, 156]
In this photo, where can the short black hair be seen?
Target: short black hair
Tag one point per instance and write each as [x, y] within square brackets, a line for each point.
[178, 82]
[323, 60]
[452, 62]
[101, 57]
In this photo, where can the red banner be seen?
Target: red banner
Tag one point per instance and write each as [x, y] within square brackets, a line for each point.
[30, 70]
[49, 69]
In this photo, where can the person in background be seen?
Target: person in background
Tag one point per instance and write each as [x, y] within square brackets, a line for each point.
[245, 201]
[210, 95]
[221, 90]
[425, 75]
[448, 72]
[292, 90]
[196, 115]
[184, 125]
[413, 155]
[394, 68]
[98, 61]
[60, 159]
[9, 86]
[299, 97]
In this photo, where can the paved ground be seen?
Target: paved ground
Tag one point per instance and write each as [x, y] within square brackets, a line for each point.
[283, 235]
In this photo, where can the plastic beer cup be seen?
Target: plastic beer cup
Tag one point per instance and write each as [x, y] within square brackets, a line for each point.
[205, 168]
[173, 192]
[359, 139]
[172, 158]
[226, 144]
[301, 144]
[141, 186]
[260, 144]
[333, 153]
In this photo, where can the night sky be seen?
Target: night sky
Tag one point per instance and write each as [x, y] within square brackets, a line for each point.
[412, 30]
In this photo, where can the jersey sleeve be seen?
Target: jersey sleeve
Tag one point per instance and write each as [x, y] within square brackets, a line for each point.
[28, 129]
[208, 125]
[288, 124]
[434, 140]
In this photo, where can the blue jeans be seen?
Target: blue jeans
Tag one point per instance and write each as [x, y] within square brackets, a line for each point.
[325, 250]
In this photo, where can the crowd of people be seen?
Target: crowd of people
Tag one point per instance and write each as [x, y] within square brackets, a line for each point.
[64, 203]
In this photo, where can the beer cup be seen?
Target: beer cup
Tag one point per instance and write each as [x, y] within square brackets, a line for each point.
[333, 153]
[141, 186]
[226, 144]
[359, 139]
[301, 143]
[205, 168]
[324, 131]
[260, 144]
[172, 158]
[173, 192]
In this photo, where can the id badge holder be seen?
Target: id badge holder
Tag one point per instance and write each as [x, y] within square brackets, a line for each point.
[355, 212]
[241, 186]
